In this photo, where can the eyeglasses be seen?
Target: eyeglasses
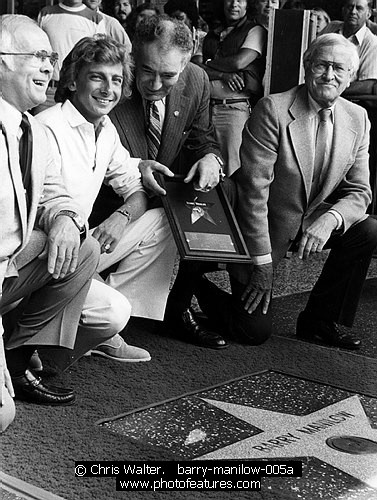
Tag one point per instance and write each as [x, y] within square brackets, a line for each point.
[40, 54]
[321, 67]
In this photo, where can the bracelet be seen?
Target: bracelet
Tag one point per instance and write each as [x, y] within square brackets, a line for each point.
[127, 214]
[221, 167]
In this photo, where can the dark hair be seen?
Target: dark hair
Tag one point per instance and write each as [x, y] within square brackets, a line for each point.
[168, 32]
[294, 4]
[132, 18]
[369, 2]
[187, 6]
[97, 49]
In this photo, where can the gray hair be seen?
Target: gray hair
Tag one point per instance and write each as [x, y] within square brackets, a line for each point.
[11, 24]
[167, 32]
[332, 40]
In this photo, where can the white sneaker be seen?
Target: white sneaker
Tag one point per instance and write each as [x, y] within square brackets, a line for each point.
[117, 349]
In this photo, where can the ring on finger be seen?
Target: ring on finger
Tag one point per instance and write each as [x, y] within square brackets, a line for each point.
[107, 246]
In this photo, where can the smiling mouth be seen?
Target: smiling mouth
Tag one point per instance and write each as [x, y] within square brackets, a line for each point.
[103, 101]
[40, 83]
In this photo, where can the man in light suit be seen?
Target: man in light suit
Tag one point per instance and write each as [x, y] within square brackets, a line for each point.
[296, 191]
[41, 258]
[162, 49]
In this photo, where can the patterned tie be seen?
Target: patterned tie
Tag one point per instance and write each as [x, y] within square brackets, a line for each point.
[320, 149]
[26, 152]
[153, 130]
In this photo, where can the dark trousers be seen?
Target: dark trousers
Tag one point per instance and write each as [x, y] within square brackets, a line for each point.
[337, 292]
[335, 296]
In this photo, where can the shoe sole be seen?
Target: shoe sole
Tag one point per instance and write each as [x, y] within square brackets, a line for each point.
[327, 344]
[25, 400]
[120, 360]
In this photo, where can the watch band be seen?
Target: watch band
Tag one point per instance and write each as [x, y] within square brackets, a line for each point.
[126, 213]
[222, 174]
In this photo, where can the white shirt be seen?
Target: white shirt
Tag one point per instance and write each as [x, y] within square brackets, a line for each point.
[86, 163]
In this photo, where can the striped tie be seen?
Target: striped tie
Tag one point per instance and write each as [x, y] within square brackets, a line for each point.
[320, 151]
[153, 130]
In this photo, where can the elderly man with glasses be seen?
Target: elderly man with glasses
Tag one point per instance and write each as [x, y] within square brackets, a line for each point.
[303, 186]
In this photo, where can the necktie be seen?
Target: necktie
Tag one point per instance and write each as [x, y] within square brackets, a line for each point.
[320, 149]
[26, 152]
[153, 130]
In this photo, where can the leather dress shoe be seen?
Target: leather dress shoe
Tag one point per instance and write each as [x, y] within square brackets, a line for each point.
[311, 328]
[200, 335]
[29, 388]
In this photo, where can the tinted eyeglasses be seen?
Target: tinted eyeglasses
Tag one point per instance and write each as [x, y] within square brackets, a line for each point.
[40, 54]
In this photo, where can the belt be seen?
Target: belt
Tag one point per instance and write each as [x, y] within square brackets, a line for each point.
[53, 84]
[228, 101]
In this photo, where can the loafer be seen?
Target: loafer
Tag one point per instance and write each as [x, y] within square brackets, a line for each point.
[326, 332]
[118, 350]
[31, 389]
[198, 333]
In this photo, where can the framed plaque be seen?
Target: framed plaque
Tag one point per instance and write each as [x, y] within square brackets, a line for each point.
[203, 224]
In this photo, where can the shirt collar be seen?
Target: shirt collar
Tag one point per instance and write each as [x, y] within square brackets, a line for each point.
[75, 118]
[359, 35]
[315, 107]
[10, 116]
[72, 9]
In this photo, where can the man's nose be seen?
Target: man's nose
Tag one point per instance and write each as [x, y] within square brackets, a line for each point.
[46, 66]
[156, 82]
[329, 72]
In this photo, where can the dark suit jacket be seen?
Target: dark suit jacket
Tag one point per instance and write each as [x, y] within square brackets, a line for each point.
[187, 134]
[277, 159]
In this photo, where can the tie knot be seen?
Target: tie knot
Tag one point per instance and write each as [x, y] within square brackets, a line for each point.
[25, 124]
[324, 114]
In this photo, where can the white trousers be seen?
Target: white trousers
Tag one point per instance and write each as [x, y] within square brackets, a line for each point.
[145, 255]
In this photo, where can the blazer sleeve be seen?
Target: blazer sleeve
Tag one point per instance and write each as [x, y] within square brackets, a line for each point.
[201, 139]
[259, 152]
[53, 195]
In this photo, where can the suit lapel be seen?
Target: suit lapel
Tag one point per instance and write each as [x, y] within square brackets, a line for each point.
[301, 136]
[17, 182]
[177, 108]
[131, 122]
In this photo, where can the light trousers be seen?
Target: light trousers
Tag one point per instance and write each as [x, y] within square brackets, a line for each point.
[145, 255]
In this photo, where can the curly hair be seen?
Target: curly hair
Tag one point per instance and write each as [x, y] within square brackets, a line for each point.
[187, 6]
[97, 49]
[168, 32]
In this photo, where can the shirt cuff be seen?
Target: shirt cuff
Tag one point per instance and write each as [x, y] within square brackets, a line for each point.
[338, 218]
[259, 260]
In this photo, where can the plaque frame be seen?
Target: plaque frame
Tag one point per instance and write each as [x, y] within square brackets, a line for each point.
[179, 200]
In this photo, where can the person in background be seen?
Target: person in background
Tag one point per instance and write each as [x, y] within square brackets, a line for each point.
[322, 19]
[45, 257]
[356, 13]
[261, 9]
[139, 13]
[113, 27]
[175, 93]
[122, 9]
[95, 75]
[294, 4]
[65, 24]
[234, 57]
[187, 12]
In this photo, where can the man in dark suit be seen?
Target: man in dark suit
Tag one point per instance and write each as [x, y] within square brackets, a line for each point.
[303, 185]
[186, 145]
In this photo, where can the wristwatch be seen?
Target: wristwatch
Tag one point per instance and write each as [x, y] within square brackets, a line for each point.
[77, 220]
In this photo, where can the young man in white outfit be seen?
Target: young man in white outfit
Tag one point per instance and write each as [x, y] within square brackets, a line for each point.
[93, 78]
